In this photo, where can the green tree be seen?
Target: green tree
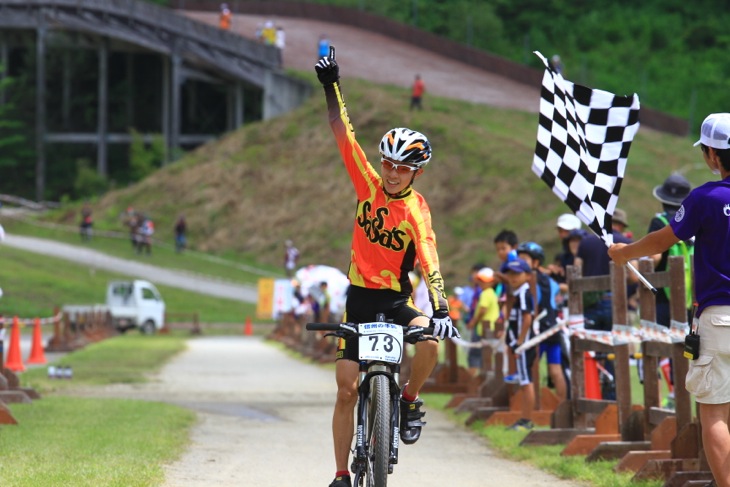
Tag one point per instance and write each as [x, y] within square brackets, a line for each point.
[144, 160]
[13, 138]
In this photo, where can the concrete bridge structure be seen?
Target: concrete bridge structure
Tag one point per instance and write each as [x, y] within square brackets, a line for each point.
[181, 57]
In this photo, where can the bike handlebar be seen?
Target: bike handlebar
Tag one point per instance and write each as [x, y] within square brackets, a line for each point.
[323, 326]
[345, 330]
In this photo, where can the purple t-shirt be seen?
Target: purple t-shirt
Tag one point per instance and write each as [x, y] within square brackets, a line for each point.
[705, 215]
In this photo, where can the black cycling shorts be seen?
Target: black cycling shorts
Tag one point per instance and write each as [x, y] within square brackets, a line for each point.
[363, 305]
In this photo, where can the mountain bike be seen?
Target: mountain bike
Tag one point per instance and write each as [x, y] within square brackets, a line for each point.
[378, 412]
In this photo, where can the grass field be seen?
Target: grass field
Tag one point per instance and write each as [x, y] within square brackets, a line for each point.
[33, 285]
[84, 441]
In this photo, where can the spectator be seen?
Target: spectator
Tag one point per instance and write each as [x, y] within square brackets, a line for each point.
[181, 228]
[485, 316]
[505, 244]
[567, 223]
[87, 222]
[323, 303]
[556, 64]
[291, 258]
[456, 305]
[269, 33]
[145, 230]
[323, 46]
[593, 259]
[517, 273]
[419, 87]
[130, 220]
[280, 41]
[705, 215]
[671, 193]
[226, 17]
[547, 291]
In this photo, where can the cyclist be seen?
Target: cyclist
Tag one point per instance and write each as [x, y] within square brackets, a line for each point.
[392, 229]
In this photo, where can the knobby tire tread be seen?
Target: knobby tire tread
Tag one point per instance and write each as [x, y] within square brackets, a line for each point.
[379, 439]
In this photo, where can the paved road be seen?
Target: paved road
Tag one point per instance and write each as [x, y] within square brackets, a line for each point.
[264, 420]
[158, 275]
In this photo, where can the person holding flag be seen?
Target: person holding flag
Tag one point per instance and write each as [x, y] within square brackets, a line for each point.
[705, 215]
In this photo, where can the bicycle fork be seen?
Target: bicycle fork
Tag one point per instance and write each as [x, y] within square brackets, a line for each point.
[362, 414]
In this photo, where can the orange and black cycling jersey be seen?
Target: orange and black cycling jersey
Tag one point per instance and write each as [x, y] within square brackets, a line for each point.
[390, 232]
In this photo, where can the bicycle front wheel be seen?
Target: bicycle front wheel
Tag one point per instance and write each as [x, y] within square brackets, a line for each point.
[379, 432]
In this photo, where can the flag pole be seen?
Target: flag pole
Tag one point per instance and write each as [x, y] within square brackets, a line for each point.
[643, 279]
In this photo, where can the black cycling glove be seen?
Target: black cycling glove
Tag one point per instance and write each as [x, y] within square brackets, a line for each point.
[328, 71]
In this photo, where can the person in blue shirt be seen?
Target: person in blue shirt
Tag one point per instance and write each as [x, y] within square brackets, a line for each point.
[705, 215]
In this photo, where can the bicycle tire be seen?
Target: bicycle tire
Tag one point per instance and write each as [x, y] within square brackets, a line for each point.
[379, 430]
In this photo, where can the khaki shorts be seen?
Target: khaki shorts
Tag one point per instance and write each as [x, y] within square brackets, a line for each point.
[708, 377]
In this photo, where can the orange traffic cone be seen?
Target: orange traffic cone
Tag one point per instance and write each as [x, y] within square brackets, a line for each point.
[248, 329]
[36, 349]
[14, 361]
[592, 383]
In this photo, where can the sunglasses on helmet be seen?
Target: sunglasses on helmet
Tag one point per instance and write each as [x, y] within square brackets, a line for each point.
[399, 168]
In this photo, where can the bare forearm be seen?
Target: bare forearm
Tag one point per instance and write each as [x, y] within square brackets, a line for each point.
[653, 243]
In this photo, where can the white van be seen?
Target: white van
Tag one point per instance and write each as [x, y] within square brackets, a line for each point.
[132, 304]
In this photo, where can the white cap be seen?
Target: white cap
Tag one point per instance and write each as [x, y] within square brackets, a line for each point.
[485, 274]
[715, 131]
[568, 221]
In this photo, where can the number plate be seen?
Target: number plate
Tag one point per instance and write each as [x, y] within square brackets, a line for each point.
[381, 341]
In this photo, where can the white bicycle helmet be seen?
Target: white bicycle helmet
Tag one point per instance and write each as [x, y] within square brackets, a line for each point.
[406, 145]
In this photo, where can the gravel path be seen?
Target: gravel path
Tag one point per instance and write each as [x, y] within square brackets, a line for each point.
[363, 54]
[264, 420]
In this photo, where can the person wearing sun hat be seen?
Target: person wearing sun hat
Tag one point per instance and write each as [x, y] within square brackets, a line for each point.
[670, 194]
[705, 215]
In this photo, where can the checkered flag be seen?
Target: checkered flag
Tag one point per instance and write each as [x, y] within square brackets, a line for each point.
[583, 140]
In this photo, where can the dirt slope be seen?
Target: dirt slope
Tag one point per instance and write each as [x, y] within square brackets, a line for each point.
[377, 58]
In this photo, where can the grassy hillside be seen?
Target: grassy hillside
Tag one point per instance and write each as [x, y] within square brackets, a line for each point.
[283, 178]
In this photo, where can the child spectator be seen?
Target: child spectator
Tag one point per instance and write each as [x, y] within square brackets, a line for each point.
[484, 317]
[517, 273]
[547, 291]
[505, 244]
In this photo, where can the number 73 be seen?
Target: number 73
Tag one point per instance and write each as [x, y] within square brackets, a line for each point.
[387, 345]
